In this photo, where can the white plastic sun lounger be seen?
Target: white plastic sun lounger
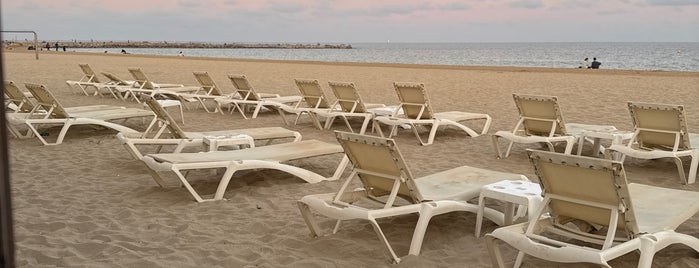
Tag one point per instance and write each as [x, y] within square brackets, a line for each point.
[170, 134]
[660, 131]
[265, 157]
[56, 114]
[415, 105]
[380, 168]
[629, 216]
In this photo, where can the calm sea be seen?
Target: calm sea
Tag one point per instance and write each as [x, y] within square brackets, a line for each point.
[628, 56]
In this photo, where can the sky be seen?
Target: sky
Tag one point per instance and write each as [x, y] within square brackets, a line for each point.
[348, 21]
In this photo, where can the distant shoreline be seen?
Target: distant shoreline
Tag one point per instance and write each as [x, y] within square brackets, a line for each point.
[166, 44]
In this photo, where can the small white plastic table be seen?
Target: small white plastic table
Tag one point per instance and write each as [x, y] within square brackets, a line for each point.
[615, 135]
[212, 143]
[524, 193]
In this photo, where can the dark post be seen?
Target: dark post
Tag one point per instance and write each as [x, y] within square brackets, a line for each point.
[7, 246]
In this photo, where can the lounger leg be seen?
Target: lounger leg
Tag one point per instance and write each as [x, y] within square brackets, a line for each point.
[156, 177]
[693, 167]
[286, 123]
[433, 133]
[417, 134]
[680, 169]
[509, 149]
[466, 129]
[309, 219]
[569, 145]
[383, 239]
[518, 260]
[496, 146]
[648, 250]
[337, 226]
[486, 126]
[479, 215]
[340, 168]
[257, 110]
[365, 124]
[494, 251]
[188, 186]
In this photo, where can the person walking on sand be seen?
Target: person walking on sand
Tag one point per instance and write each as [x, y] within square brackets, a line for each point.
[595, 64]
[585, 64]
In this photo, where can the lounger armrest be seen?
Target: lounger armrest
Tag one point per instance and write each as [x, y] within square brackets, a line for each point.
[514, 235]
[532, 139]
[646, 154]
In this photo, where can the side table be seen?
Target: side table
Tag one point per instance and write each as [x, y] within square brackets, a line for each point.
[212, 143]
[524, 193]
[616, 136]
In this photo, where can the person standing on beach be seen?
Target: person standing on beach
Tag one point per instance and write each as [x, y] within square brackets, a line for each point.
[56, 45]
[48, 46]
[595, 64]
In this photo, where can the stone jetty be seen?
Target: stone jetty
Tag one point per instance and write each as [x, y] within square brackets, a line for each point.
[166, 44]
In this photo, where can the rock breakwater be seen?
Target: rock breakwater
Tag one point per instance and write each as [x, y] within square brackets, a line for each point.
[165, 44]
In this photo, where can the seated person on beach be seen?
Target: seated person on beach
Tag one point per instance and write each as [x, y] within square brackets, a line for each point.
[585, 64]
[123, 51]
[595, 64]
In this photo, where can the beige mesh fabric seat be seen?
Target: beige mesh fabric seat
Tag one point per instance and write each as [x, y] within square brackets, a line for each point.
[541, 121]
[169, 134]
[20, 100]
[660, 131]
[19, 106]
[55, 114]
[312, 99]
[116, 86]
[348, 104]
[264, 157]
[380, 168]
[250, 98]
[25, 108]
[89, 79]
[630, 216]
[209, 92]
[415, 104]
[146, 86]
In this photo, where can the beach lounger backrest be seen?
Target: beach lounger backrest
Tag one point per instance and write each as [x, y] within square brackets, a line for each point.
[347, 97]
[660, 126]
[208, 84]
[538, 114]
[592, 190]
[414, 100]
[380, 166]
[47, 101]
[90, 75]
[243, 87]
[17, 97]
[163, 118]
[141, 78]
[115, 80]
[312, 93]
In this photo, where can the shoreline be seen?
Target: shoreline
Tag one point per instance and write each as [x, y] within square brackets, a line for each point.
[394, 65]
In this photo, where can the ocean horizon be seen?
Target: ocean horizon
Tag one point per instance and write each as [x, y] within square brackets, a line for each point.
[652, 56]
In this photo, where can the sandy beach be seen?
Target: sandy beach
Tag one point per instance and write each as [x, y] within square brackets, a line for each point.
[87, 203]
